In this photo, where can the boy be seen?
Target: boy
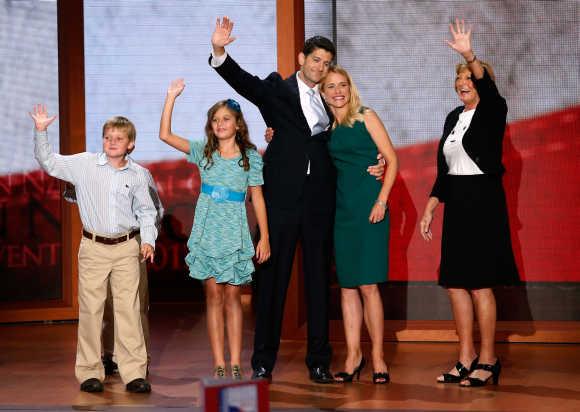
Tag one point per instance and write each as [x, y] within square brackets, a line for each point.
[117, 215]
[108, 335]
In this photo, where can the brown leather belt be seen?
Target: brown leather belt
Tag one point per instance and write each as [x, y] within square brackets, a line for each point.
[110, 240]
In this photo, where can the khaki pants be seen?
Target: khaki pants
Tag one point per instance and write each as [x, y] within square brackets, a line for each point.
[108, 318]
[118, 265]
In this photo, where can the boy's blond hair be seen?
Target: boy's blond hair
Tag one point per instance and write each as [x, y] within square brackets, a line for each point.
[124, 124]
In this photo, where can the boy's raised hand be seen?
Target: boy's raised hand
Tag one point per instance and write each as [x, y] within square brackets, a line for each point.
[41, 118]
[221, 36]
[176, 87]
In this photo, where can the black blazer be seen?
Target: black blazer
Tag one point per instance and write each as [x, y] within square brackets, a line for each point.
[484, 137]
[287, 156]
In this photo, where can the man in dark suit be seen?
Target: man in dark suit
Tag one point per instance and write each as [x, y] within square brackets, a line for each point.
[299, 189]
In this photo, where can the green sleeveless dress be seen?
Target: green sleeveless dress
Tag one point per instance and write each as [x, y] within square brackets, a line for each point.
[361, 248]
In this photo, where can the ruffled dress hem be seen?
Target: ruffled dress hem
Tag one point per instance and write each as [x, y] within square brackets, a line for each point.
[235, 268]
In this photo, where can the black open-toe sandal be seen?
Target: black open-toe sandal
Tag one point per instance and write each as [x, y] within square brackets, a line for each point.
[495, 370]
[463, 372]
[345, 377]
[380, 378]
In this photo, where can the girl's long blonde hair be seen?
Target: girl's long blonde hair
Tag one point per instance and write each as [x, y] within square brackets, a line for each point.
[355, 107]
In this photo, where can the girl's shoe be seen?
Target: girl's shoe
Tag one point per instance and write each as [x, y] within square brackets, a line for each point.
[348, 377]
[219, 372]
[380, 378]
[495, 370]
[237, 373]
[463, 372]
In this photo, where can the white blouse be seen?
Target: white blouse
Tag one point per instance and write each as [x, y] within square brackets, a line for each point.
[456, 157]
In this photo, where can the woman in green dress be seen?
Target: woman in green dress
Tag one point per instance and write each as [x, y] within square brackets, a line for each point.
[361, 227]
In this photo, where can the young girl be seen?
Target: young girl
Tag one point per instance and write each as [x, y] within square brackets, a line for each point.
[220, 246]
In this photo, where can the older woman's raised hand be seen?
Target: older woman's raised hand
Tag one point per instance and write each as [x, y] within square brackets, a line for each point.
[461, 42]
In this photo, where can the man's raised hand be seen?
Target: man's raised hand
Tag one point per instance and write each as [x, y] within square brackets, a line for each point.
[221, 36]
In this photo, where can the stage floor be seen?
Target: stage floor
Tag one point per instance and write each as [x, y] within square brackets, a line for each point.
[37, 360]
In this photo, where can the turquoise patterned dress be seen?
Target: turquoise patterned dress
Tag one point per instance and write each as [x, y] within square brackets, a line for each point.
[220, 245]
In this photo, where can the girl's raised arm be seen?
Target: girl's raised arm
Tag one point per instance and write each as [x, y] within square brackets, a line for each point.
[165, 134]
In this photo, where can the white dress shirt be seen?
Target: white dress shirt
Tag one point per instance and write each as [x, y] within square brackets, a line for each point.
[111, 201]
[309, 113]
[456, 157]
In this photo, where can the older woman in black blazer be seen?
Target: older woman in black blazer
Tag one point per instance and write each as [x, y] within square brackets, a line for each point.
[476, 252]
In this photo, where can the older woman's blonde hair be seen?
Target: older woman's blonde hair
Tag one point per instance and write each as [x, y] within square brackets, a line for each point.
[354, 104]
[459, 67]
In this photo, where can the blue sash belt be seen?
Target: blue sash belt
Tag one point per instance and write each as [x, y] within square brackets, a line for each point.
[222, 193]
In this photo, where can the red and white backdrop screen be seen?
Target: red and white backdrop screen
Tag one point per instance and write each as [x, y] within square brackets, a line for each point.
[396, 53]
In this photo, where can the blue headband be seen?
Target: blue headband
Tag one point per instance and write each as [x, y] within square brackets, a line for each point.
[232, 104]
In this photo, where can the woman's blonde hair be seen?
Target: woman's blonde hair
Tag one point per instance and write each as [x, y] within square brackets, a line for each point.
[355, 108]
[459, 67]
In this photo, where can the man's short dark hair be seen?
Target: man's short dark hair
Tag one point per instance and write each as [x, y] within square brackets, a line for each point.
[319, 42]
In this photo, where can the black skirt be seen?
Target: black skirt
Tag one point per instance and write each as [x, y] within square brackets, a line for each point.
[476, 249]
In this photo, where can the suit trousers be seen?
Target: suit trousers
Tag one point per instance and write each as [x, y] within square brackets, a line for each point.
[314, 229]
[108, 316]
[118, 264]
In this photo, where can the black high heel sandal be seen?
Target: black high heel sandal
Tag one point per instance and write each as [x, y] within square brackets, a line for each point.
[380, 378]
[463, 372]
[348, 377]
[495, 370]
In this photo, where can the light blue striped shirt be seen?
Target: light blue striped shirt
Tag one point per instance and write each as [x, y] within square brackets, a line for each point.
[111, 201]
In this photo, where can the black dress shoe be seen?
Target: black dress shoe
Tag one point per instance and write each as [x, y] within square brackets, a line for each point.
[110, 367]
[262, 373]
[321, 374]
[92, 385]
[138, 385]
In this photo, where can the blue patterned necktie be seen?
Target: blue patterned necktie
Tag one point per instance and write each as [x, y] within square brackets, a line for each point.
[323, 120]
